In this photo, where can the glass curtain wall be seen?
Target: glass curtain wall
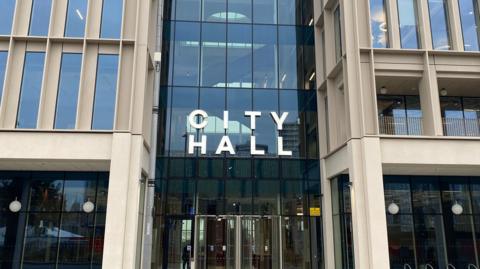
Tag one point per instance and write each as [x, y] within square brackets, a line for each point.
[227, 210]
[400, 115]
[44, 222]
[469, 15]
[379, 23]
[438, 10]
[408, 22]
[6, 16]
[432, 221]
[460, 115]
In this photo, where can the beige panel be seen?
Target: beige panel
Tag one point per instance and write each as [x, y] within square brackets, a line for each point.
[87, 88]
[59, 16]
[36, 46]
[49, 94]
[147, 106]
[140, 77]
[4, 45]
[129, 20]
[394, 27]
[369, 99]
[92, 27]
[124, 95]
[12, 87]
[22, 17]
[327, 217]
[73, 47]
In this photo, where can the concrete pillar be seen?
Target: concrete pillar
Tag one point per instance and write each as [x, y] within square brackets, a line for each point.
[369, 223]
[328, 244]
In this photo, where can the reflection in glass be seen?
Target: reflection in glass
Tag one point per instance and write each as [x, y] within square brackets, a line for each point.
[239, 56]
[77, 192]
[6, 16]
[105, 92]
[213, 101]
[239, 101]
[266, 132]
[111, 19]
[265, 11]
[30, 90]
[290, 57]
[293, 137]
[67, 99]
[265, 195]
[214, 10]
[400, 115]
[213, 53]
[438, 10]
[187, 54]
[265, 58]
[460, 115]
[41, 239]
[337, 24]
[76, 17]
[289, 12]
[188, 10]
[239, 11]
[407, 17]
[40, 17]
[296, 242]
[184, 100]
[76, 231]
[180, 197]
[469, 15]
[294, 203]
[379, 23]
[429, 240]
[238, 197]
[3, 67]
[210, 195]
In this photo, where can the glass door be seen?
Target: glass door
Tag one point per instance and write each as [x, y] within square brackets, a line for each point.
[178, 238]
[215, 242]
[260, 242]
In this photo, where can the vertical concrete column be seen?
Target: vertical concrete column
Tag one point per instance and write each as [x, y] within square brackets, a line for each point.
[430, 100]
[424, 25]
[456, 34]
[123, 203]
[369, 224]
[328, 244]
[394, 26]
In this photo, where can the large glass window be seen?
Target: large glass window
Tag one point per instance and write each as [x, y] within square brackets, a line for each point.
[105, 92]
[460, 115]
[188, 10]
[76, 18]
[266, 132]
[3, 66]
[337, 24]
[469, 15]
[67, 97]
[111, 19]
[40, 17]
[239, 56]
[438, 10]
[379, 23]
[30, 90]
[342, 223]
[265, 11]
[6, 16]
[184, 101]
[239, 11]
[290, 57]
[407, 16]
[213, 101]
[186, 54]
[290, 12]
[400, 115]
[214, 10]
[265, 57]
[213, 55]
[239, 101]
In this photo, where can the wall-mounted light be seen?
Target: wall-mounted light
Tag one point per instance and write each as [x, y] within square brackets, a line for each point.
[88, 207]
[457, 208]
[443, 92]
[383, 90]
[15, 206]
[393, 208]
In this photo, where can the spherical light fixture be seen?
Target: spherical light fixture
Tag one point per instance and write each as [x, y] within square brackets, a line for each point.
[393, 208]
[443, 92]
[88, 207]
[383, 90]
[15, 206]
[457, 208]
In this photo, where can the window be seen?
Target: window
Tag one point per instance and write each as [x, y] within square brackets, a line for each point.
[265, 11]
[289, 12]
[379, 23]
[214, 10]
[105, 92]
[438, 10]
[460, 115]
[188, 10]
[239, 56]
[186, 54]
[3, 66]
[399, 115]
[342, 223]
[290, 54]
[76, 17]
[40, 17]
[469, 15]
[265, 63]
[338, 33]
[66, 112]
[239, 11]
[111, 19]
[30, 90]
[6, 16]
[213, 53]
[407, 16]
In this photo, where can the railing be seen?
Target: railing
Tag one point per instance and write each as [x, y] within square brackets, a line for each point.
[461, 127]
[400, 125]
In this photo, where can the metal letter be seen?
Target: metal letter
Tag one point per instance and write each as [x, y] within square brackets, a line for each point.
[253, 147]
[193, 122]
[252, 115]
[225, 120]
[202, 144]
[225, 145]
[282, 152]
[279, 121]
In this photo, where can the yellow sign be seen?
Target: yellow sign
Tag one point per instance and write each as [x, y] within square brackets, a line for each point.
[315, 211]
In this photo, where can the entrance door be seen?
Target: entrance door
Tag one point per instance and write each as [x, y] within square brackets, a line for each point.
[178, 239]
[215, 242]
[260, 242]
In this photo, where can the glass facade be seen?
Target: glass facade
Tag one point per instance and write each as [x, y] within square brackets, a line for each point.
[68, 87]
[460, 115]
[6, 16]
[408, 22]
[438, 10]
[76, 18]
[3, 67]
[52, 229]
[40, 17]
[400, 114]
[105, 92]
[379, 23]
[436, 224]
[30, 90]
[111, 24]
[469, 15]
[238, 208]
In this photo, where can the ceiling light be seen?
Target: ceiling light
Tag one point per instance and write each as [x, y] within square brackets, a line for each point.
[443, 92]
[457, 208]
[383, 90]
[88, 207]
[79, 14]
[310, 23]
[393, 208]
[15, 206]
[312, 76]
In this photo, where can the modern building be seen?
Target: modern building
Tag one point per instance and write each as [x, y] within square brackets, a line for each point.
[240, 134]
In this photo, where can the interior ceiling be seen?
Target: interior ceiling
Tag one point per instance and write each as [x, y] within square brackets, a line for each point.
[460, 87]
[398, 85]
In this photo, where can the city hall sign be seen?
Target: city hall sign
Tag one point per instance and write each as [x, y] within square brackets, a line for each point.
[225, 144]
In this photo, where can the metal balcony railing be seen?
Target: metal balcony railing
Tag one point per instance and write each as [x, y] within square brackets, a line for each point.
[400, 125]
[461, 127]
